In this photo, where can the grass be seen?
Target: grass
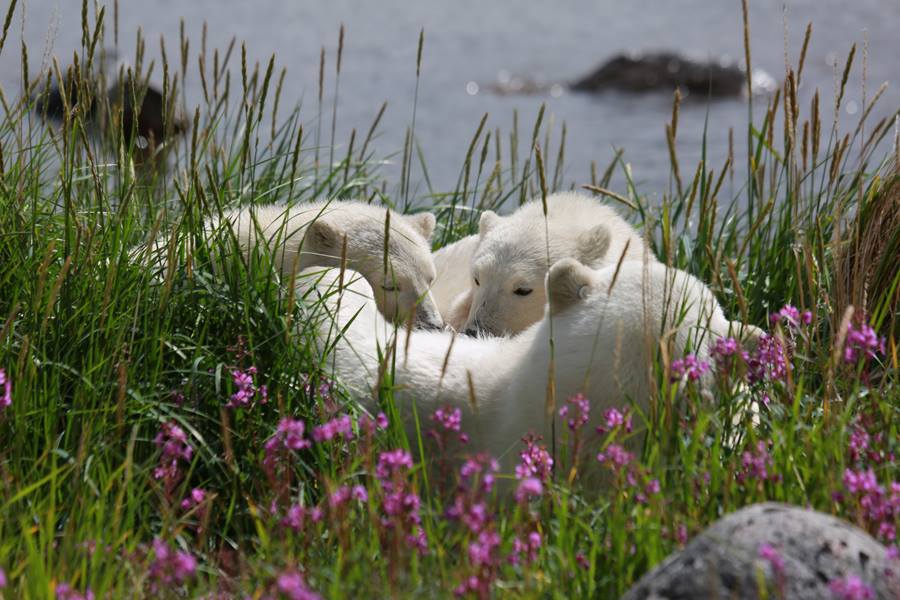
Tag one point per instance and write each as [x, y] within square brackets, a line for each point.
[101, 351]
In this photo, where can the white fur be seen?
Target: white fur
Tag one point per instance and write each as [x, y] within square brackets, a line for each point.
[604, 341]
[314, 234]
[510, 256]
[453, 272]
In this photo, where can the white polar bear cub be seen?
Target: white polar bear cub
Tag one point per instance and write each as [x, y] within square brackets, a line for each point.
[503, 291]
[307, 235]
[606, 329]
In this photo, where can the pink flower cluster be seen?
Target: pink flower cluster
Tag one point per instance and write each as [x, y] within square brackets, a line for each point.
[292, 585]
[344, 493]
[613, 419]
[64, 591]
[528, 548]
[851, 587]
[288, 438]
[528, 489]
[757, 465]
[297, 514]
[771, 555]
[863, 344]
[534, 460]
[769, 361]
[400, 504]
[880, 508]
[368, 426]
[448, 423]
[246, 389]
[470, 507]
[6, 397]
[339, 426]
[690, 367]
[170, 567]
[580, 408]
[175, 449]
[616, 457]
[791, 316]
[634, 477]
[196, 501]
[448, 418]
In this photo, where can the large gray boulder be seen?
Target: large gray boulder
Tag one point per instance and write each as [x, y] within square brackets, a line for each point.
[816, 549]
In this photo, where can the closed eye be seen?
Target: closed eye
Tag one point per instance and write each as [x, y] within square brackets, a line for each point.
[389, 288]
[522, 291]
[476, 281]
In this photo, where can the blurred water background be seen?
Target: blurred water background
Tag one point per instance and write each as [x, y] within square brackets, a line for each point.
[471, 43]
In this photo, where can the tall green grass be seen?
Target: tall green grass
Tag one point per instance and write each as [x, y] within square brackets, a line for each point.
[102, 346]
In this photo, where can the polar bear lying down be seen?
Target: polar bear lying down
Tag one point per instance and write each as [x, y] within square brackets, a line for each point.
[389, 249]
[493, 282]
[605, 326]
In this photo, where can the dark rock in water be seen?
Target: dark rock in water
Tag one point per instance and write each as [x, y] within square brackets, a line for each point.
[663, 71]
[49, 103]
[807, 551]
[147, 121]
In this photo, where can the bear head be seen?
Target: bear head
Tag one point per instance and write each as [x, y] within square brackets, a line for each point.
[391, 251]
[511, 263]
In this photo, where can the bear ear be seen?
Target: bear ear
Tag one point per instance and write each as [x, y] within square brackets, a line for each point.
[568, 282]
[423, 223]
[325, 235]
[593, 245]
[489, 220]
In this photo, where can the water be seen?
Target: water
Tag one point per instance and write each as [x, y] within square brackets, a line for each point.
[475, 41]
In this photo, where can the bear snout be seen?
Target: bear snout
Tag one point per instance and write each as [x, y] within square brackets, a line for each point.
[428, 319]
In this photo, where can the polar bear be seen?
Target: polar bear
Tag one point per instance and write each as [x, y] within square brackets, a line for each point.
[503, 292]
[606, 326]
[314, 234]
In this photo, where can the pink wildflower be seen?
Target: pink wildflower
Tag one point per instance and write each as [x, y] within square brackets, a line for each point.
[246, 390]
[768, 362]
[295, 517]
[535, 461]
[197, 496]
[768, 553]
[862, 343]
[447, 418]
[582, 411]
[529, 488]
[791, 316]
[689, 367]
[170, 567]
[529, 548]
[64, 591]
[859, 442]
[851, 587]
[341, 425]
[616, 456]
[288, 436]
[757, 465]
[359, 493]
[6, 397]
[172, 441]
[292, 585]
[681, 535]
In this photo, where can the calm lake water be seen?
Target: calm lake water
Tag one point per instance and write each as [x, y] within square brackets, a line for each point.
[479, 41]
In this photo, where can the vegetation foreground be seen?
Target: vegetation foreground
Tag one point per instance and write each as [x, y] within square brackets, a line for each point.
[175, 433]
